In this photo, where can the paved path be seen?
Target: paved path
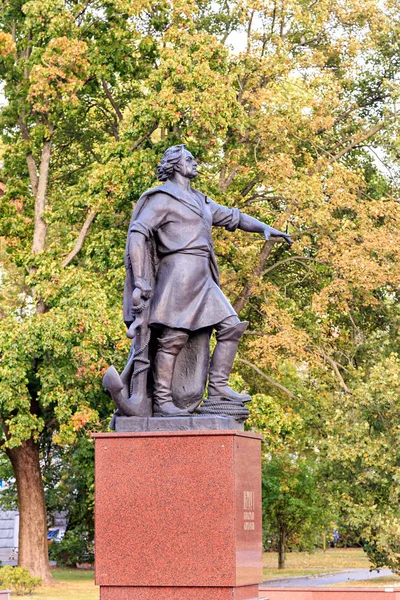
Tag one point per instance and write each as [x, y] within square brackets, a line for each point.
[328, 579]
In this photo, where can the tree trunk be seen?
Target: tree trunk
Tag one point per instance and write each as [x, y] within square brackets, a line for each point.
[281, 550]
[33, 178]
[40, 230]
[247, 289]
[242, 298]
[33, 548]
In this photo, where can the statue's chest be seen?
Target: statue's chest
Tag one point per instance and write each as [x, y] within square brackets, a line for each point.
[190, 213]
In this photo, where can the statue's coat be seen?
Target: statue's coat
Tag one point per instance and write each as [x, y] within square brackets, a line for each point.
[186, 293]
[183, 274]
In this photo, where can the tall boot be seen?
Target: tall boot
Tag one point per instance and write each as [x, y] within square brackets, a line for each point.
[222, 362]
[164, 365]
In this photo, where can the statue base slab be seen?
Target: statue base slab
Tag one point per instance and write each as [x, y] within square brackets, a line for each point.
[195, 423]
[178, 515]
[185, 593]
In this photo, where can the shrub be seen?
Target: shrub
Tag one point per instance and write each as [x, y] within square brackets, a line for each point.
[19, 580]
[75, 547]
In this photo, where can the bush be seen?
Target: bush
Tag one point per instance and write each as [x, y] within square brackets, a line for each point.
[75, 547]
[19, 580]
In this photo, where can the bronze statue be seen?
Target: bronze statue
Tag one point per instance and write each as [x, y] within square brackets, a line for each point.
[172, 301]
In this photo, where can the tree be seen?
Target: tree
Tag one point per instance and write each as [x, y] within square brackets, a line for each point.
[362, 458]
[56, 327]
[70, 74]
[95, 93]
[294, 511]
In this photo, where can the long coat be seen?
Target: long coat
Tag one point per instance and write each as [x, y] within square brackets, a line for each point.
[186, 293]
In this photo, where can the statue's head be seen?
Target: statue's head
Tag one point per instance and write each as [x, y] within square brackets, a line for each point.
[179, 159]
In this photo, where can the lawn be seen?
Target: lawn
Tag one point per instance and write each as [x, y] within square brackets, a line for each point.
[384, 581]
[302, 563]
[72, 584]
[336, 559]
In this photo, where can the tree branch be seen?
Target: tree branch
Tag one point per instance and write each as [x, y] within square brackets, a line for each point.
[263, 198]
[81, 238]
[249, 26]
[250, 186]
[145, 136]
[269, 379]
[335, 367]
[111, 99]
[40, 229]
[32, 169]
[30, 161]
[225, 181]
[290, 259]
[245, 294]
[81, 12]
[364, 136]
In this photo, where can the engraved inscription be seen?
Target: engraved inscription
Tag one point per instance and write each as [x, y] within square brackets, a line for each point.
[248, 500]
[248, 511]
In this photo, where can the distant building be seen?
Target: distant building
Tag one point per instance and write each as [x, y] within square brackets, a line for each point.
[9, 529]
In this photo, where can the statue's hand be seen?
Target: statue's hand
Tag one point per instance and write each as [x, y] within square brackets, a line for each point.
[144, 287]
[269, 233]
[287, 238]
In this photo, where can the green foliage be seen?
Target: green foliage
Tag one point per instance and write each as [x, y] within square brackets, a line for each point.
[362, 458]
[286, 130]
[69, 482]
[19, 580]
[75, 547]
[294, 510]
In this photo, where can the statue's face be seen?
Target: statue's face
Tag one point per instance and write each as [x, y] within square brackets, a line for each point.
[187, 165]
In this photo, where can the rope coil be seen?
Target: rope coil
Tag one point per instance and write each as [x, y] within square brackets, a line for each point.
[138, 309]
[222, 407]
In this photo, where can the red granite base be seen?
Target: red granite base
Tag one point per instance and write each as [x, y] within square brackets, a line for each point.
[178, 515]
[337, 593]
[179, 593]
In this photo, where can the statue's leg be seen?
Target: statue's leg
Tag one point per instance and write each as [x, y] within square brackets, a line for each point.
[228, 334]
[170, 343]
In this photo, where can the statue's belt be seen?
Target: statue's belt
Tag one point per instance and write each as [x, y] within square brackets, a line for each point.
[194, 252]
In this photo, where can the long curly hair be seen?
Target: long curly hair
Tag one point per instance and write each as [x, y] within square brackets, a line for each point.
[169, 161]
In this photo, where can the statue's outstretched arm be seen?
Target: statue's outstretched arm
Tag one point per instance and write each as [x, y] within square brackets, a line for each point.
[247, 223]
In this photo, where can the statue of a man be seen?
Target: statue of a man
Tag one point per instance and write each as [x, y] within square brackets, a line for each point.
[172, 288]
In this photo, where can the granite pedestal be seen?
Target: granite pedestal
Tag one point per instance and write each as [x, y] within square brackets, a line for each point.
[194, 423]
[178, 515]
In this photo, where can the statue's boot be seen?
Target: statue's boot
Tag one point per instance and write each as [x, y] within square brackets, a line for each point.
[164, 365]
[222, 362]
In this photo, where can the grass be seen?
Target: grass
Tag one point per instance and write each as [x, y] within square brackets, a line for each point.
[384, 581]
[300, 564]
[72, 584]
[75, 584]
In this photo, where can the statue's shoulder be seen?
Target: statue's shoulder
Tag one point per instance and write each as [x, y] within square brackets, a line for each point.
[167, 188]
[151, 191]
[156, 193]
